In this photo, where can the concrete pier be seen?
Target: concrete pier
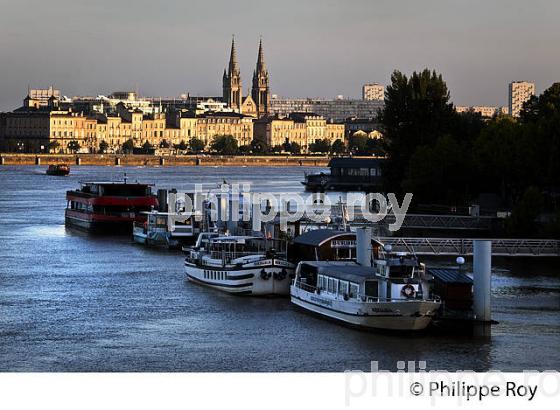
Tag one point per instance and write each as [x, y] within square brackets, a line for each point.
[482, 286]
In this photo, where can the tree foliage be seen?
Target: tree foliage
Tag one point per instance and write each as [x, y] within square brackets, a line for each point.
[224, 145]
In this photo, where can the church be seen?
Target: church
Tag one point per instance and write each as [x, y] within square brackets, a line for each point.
[255, 104]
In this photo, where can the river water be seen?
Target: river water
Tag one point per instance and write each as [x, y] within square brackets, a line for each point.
[73, 302]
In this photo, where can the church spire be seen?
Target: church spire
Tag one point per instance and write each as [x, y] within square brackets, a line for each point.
[261, 66]
[233, 66]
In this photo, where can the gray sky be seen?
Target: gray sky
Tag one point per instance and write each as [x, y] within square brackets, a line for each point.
[312, 47]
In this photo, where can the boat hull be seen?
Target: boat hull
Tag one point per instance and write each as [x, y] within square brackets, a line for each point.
[403, 316]
[244, 280]
[98, 223]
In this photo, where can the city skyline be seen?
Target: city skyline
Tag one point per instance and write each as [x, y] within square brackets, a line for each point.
[165, 51]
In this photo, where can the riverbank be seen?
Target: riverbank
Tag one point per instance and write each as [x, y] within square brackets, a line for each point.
[170, 160]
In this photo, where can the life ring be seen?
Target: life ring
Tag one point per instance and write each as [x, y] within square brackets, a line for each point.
[408, 291]
[264, 275]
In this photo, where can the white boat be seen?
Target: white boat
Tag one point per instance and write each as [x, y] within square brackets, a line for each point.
[349, 292]
[374, 290]
[156, 231]
[243, 265]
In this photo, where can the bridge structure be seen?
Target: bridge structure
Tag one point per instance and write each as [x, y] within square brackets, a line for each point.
[463, 247]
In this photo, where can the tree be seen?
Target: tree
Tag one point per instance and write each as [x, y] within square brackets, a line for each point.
[357, 143]
[224, 145]
[417, 112]
[259, 147]
[52, 146]
[103, 147]
[320, 146]
[245, 149]
[164, 144]
[291, 147]
[182, 146]
[147, 148]
[128, 146]
[338, 147]
[74, 146]
[196, 145]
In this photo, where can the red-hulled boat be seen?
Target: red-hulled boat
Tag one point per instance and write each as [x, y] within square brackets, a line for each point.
[58, 170]
[110, 207]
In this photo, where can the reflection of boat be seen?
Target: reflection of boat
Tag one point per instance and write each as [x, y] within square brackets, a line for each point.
[347, 174]
[58, 170]
[108, 206]
[378, 289]
[160, 230]
[244, 265]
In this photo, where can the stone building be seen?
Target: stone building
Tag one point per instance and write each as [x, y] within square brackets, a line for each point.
[519, 92]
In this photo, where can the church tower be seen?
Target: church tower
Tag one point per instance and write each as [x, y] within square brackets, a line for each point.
[232, 91]
[261, 89]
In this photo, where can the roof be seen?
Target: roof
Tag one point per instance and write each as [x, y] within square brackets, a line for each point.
[350, 271]
[449, 275]
[349, 162]
[319, 236]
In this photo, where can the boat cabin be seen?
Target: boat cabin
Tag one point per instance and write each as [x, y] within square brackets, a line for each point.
[348, 174]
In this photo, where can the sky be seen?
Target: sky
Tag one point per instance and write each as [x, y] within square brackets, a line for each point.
[313, 48]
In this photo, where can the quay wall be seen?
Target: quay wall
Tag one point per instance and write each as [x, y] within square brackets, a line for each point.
[165, 160]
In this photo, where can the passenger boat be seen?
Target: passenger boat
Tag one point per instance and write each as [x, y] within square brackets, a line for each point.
[362, 284]
[159, 230]
[110, 207]
[347, 174]
[58, 170]
[243, 265]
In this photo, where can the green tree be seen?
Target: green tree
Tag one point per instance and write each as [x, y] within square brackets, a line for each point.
[182, 146]
[291, 147]
[259, 147]
[147, 148]
[320, 146]
[357, 143]
[128, 146]
[417, 112]
[74, 146]
[338, 147]
[52, 146]
[224, 145]
[164, 144]
[196, 145]
[103, 147]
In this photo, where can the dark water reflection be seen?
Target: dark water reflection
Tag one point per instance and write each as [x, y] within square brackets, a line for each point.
[72, 302]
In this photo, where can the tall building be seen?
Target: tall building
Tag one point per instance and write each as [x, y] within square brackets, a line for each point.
[335, 109]
[261, 89]
[519, 92]
[232, 81]
[373, 91]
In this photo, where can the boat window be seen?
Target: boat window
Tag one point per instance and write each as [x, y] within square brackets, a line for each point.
[371, 288]
[343, 287]
[353, 290]
[330, 286]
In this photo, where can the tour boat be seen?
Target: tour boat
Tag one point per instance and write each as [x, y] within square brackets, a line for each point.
[110, 207]
[351, 293]
[58, 170]
[376, 289]
[243, 265]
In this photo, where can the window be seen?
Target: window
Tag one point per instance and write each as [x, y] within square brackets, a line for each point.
[343, 287]
[353, 290]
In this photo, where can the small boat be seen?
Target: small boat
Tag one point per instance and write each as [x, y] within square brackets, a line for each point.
[109, 207]
[347, 174]
[156, 230]
[58, 170]
[243, 265]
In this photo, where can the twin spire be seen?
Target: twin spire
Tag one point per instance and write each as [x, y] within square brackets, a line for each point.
[258, 101]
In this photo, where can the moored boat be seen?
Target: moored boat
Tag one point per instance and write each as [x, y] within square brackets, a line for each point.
[58, 170]
[109, 207]
[159, 230]
[243, 265]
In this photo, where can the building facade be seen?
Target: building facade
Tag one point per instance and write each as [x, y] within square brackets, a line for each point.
[519, 92]
[373, 91]
[301, 128]
[335, 109]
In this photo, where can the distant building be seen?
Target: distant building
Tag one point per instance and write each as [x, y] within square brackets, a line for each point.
[519, 92]
[373, 91]
[369, 127]
[487, 111]
[39, 97]
[336, 109]
[301, 128]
